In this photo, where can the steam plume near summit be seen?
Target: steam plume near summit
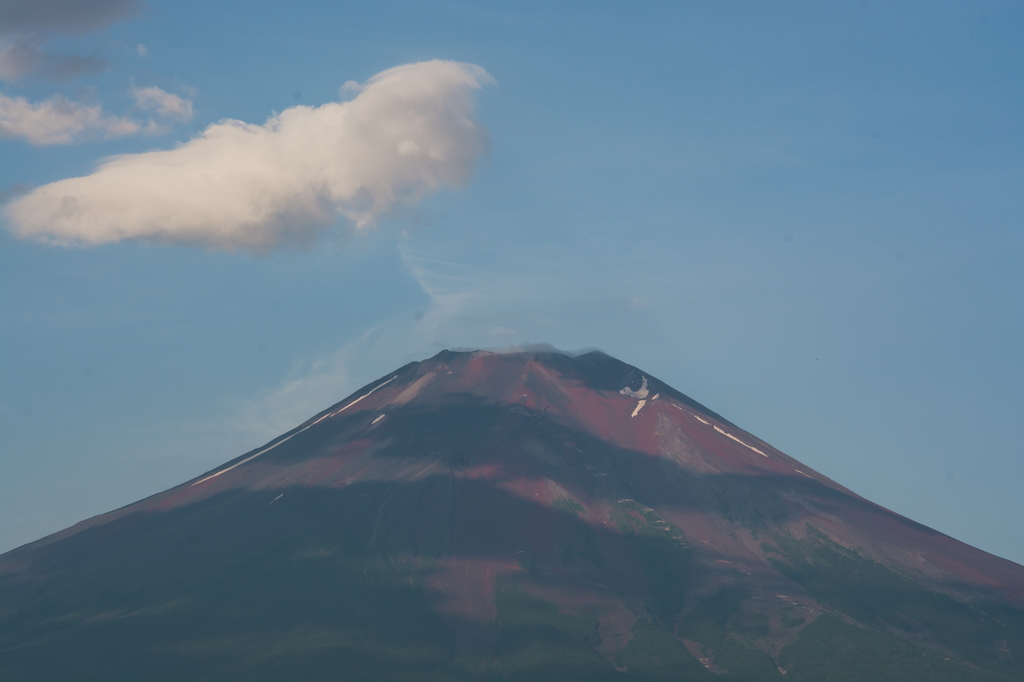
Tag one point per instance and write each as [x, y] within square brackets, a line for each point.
[410, 131]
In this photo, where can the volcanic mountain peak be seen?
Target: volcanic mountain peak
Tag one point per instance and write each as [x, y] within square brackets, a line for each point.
[527, 515]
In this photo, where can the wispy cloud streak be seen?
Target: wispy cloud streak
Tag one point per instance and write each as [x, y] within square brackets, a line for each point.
[59, 120]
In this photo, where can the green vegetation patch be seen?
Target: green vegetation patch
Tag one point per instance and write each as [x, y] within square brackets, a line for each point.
[303, 614]
[667, 558]
[885, 600]
[568, 506]
[583, 544]
[712, 623]
[830, 650]
[538, 642]
[654, 653]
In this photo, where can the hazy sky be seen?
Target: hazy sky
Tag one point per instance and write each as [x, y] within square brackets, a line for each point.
[222, 217]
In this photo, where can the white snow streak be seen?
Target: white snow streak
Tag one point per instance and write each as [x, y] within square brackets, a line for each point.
[729, 435]
[379, 417]
[288, 438]
[223, 471]
[361, 397]
[726, 434]
[639, 406]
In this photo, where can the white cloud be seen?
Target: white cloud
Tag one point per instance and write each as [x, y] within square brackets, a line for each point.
[163, 104]
[59, 121]
[142, 50]
[411, 130]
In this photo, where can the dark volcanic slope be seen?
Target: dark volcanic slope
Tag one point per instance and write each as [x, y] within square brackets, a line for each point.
[520, 516]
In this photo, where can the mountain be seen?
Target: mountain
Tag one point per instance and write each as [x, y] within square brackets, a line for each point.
[522, 516]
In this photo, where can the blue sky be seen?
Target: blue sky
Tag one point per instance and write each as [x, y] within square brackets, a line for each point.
[806, 216]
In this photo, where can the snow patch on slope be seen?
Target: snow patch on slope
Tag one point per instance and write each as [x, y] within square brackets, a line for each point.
[639, 394]
[639, 406]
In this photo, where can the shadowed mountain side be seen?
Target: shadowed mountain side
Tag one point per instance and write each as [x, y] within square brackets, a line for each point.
[269, 575]
[467, 435]
[464, 435]
[519, 516]
[265, 572]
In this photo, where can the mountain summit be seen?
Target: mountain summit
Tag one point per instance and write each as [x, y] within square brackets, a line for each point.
[522, 516]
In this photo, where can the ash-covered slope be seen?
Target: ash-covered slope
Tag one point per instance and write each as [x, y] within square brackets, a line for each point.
[509, 516]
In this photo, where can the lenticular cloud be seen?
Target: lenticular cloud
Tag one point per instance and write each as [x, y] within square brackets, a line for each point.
[411, 130]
